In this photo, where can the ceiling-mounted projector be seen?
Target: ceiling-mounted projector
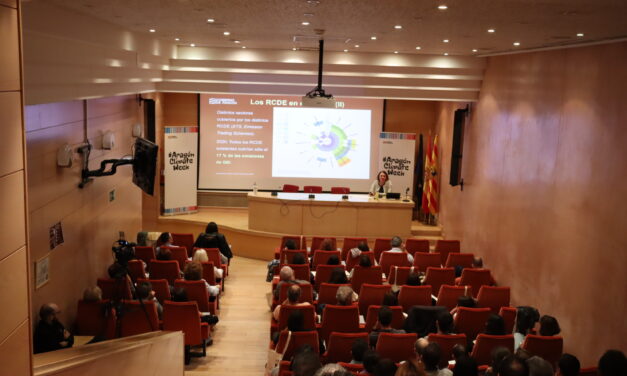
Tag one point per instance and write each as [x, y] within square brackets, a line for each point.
[317, 97]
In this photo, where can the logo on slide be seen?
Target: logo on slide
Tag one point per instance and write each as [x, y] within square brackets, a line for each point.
[222, 101]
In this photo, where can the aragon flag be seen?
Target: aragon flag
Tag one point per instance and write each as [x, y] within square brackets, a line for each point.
[427, 173]
[432, 195]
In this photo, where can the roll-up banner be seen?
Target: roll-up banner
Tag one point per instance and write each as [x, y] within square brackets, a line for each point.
[180, 172]
[396, 157]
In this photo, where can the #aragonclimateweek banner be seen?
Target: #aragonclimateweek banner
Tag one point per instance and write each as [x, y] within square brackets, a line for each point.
[180, 172]
[396, 157]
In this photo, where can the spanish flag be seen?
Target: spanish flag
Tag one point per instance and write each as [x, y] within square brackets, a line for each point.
[432, 189]
[427, 174]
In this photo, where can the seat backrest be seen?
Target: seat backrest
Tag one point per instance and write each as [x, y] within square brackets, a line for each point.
[471, 321]
[398, 319]
[317, 240]
[115, 289]
[295, 238]
[413, 245]
[145, 253]
[327, 291]
[398, 274]
[337, 318]
[381, 245]
[355, 369]
[485, 343]
[160, 287]
[184, 240]
[588, 371]
[449, 294]
[301, 271]
[213, 254]
[322, 257]
[548, 348]
[437, 277]
[371, 275]
[290, 188]
[323, 273]
[312, 189]
[196, 291]
[340, 190]
[179, 254]
[398, 347]
[462, 259]
[389, 259]
[444, 247]
[287, 255]
[136, 269]
[447, 342]
[308, 313]
[493, 297]
[91, 318]
[208, 273]
[340, 345]
[371, 295]
[297, 340]
[168, 270]
[351, 262]
[476, 278]
[306, 293]
[410, 296]
[424, 260]
[350, 243]
[138, 317]
[183, 316]
[509, 316]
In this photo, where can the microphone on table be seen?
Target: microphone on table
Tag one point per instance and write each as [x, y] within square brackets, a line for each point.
[406, 199]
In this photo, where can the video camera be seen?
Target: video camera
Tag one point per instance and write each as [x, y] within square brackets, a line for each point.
[123, 250]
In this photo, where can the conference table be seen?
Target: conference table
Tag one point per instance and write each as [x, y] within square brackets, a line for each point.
[328, 214]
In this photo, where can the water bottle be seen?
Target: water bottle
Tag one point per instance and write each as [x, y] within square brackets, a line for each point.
[255, 188]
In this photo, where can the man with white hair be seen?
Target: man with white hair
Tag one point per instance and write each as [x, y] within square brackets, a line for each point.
[397, 246]
[286, 275]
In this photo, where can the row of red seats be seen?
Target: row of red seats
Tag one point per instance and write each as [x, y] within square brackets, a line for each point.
[315, 189]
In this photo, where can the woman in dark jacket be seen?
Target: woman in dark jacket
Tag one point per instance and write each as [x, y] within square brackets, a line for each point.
[211, 238]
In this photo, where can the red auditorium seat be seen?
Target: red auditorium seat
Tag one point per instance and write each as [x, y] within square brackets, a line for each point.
[327, 291]
[317, 240]
[449, 294]
[290, 188]
[350, 243]
[297, 340]
[459, 259]
[398, 347]
[145, 253]
[548, 348]
[471, 321]
[476, 278]
[184, 240]
[295, 238]
[168, 270]
[482, 350]
[312, 189]
[138, 317]
[197, 291]
[160, 287]
[371, 275]
[493, 297]
[287, 255]
[91, 319]
[306, 294]
[337, 318]
[340, 345]
[308, 313]
[447, 342]
[398, 275]
[184, 316]
[351, 262]
[115, 289]
[214, 256]
[323, 273]
[444, 247]
[410, 296]
[322, 257]
[371, 295]
[340, 190]
[179, 254]
[437, 277]
[509, 316]
[381, 245]
[136, 269]
[424, 260]
[413, 245]
[398, 319]
[389, 259]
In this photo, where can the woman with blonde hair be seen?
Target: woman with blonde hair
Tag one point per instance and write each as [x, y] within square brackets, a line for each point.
[201, 256]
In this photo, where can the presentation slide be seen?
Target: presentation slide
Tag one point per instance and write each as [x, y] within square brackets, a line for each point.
[273, 140]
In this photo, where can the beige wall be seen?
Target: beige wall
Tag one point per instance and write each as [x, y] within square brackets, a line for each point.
[15, 334]
[90, 221]
[544, 200]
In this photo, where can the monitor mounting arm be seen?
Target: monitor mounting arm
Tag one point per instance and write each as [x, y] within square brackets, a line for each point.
[87, 175]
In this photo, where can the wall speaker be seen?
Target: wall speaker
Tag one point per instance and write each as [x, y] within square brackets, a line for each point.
[458, 146]
[149, 119]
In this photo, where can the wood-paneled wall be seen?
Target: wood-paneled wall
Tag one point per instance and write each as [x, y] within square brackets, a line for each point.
[90, 221]
[15, 333]
[544, 199]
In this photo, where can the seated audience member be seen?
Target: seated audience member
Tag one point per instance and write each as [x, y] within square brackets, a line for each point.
[568, 365]
[193, 272]
[385, 367]
[513, 366]
[344, 295]
[358, 350]
[549, 326]
[50, 334]
[293, 295]
[306, 362]
[145, 293]
[295, 323]
[477, 263]
[180, 295]
[431, 359]
[338, 276]
[495, 325]
[299, 259]
[361, 247]
[364, 262]
[286, 275]
[419, 347]
[389, 299]
[272, 265]
[326, 245]
[92, 294]
[397, 243]
[410, 367]
[371, 358]
[413, 279]
[464, 301]
[444, 323]
[526, 318]
[201, 256]
[211, 238]
[498, 354]
[465, 366]
[383, 325]
[522, 354]
[539, 367]
[117, 271]
[164, 255]
[612, 363]
[332, 369]
[164, 240]
[459, 351]
[333, 260]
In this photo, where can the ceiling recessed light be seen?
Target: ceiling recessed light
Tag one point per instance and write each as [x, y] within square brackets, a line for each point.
[244, 47]
[395, 52]
[192, 45]
[345, 50]
[516, 43]
[152, 30]
[177, 39]
[445, 40]
[474, 50]
[398, 27]
[308, 14]
[237, 41]
[418, 47]
[305, 23]
[356, 46]
[210, 20]
[442, 7]
[293, 48]
[374, 37]
[227, 33]
[491, 30]
[446, 54]
[580, 35]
